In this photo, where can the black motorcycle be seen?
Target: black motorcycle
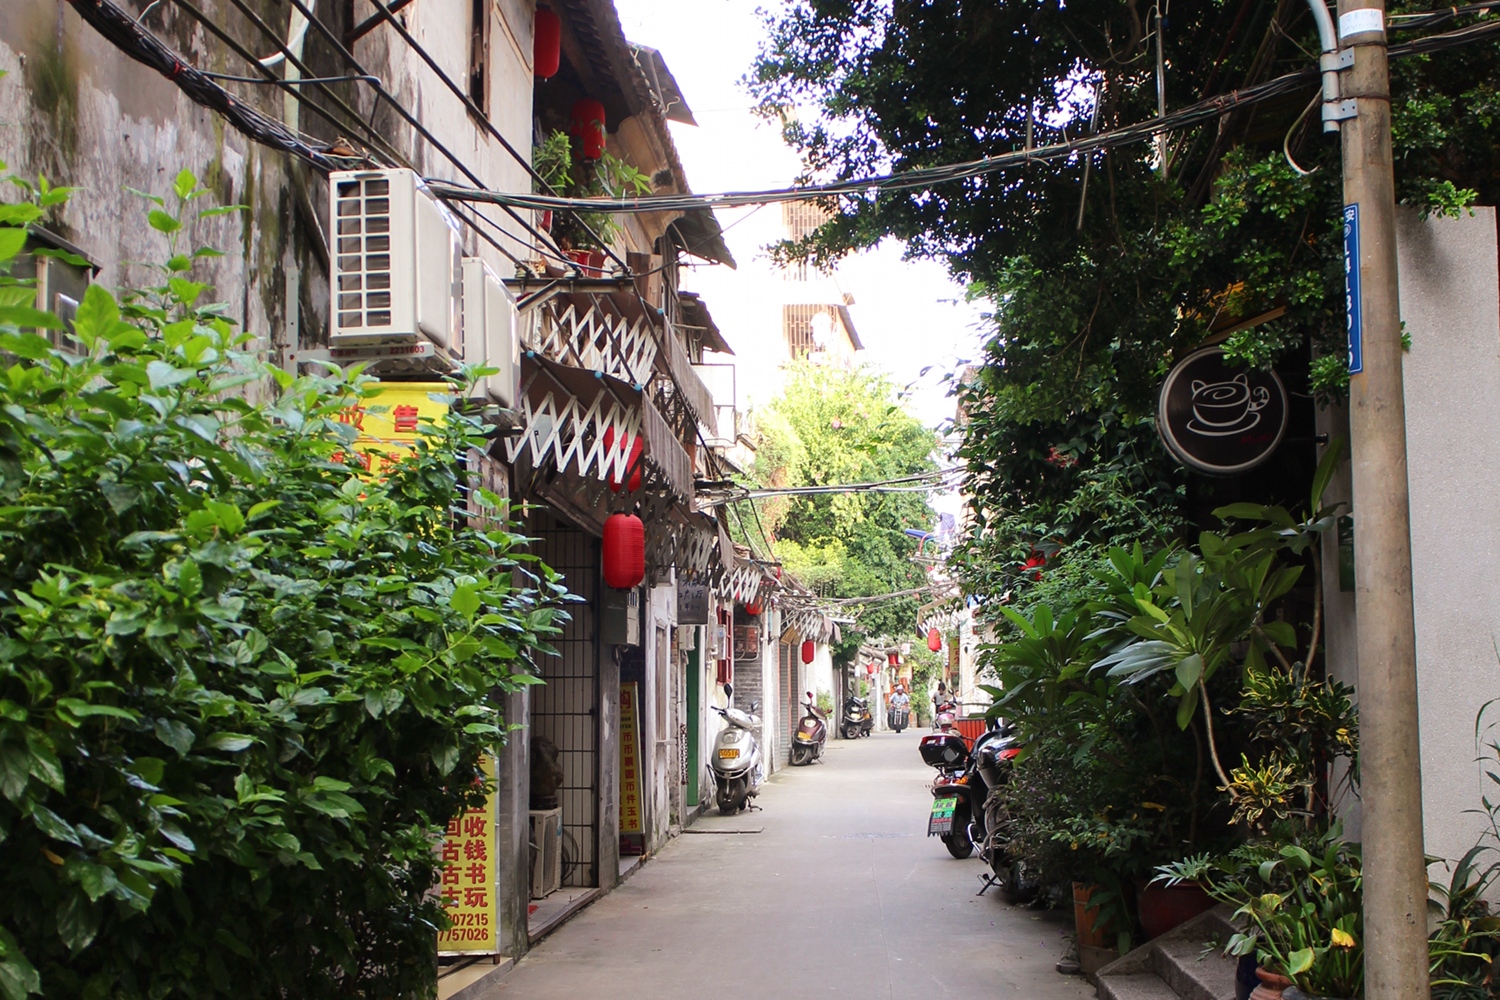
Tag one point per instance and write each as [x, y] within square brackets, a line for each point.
[967, 803]
[811, 735]
[857, 719]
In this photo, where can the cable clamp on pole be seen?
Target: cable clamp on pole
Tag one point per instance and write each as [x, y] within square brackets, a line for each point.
[1342, 59]
[1337, 111]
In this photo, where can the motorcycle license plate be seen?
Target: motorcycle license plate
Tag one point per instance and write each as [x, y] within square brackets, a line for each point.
[728, 753]
[940, 822]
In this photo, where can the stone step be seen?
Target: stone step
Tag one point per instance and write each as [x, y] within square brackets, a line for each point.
[1186, 963]
[1195, 969]
[1139, 986]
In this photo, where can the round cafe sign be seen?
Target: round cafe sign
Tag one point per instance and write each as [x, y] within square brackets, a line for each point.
[1219, 419]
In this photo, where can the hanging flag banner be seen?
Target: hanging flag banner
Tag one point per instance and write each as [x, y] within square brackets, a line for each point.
[632, 833]
[469, 879]
[1352, 305]
[388, 424]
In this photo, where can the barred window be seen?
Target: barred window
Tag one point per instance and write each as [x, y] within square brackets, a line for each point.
[797, 327]
[801, 218]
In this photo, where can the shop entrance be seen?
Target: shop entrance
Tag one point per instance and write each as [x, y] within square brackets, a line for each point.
[790, 699]
[565, 710]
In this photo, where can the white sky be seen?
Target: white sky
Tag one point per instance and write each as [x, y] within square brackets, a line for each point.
[909, 315]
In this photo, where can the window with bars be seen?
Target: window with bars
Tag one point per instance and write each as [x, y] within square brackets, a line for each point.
[801, 218]
[797, 327]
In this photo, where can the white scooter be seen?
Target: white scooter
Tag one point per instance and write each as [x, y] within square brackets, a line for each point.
[737, 765]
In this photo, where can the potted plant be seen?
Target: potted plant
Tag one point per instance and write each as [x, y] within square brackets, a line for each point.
[584, 235]
[1303, 908]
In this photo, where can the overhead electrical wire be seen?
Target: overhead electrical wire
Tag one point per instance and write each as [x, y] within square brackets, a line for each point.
[380, 90]
[127, 34]
[136, 41]
[381, 10]
[1203, 111]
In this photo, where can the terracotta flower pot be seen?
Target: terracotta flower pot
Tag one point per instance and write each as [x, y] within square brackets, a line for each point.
[1271, 986]
[1086, 917]
[1164, 907]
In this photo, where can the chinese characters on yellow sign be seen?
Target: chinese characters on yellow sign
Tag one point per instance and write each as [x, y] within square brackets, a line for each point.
[387, 436]
[632, 839]
[468, 882]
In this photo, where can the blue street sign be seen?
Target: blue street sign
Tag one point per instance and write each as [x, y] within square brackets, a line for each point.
[1351, 289]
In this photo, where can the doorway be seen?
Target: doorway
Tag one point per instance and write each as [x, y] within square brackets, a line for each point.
[565, 710]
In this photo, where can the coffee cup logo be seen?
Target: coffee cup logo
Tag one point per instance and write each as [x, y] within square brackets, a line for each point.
[1218, 417]
[1229, 407]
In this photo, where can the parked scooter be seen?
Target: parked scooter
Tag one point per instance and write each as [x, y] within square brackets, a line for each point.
[811, 735]
[737, 766]
[857, 718]
[945, 717]
[994, 761]
[966, 810]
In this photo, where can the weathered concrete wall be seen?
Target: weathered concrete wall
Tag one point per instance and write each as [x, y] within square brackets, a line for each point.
[73, 108]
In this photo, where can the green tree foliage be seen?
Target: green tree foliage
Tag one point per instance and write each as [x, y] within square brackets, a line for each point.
[243, 685]
[833, 426]
[1103, 273]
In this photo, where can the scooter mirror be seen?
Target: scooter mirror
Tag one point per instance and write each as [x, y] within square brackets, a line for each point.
[729, 690]
[809, 696]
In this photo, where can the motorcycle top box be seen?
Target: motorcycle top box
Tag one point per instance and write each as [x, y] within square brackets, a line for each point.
[944, 750]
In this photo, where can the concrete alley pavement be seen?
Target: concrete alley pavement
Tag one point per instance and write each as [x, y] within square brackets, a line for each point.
[839, 894]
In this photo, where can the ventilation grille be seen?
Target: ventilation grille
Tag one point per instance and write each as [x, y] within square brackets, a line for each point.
[363, 210]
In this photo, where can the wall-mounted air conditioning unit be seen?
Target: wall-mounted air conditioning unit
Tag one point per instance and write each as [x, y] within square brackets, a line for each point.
[546, 851]
[396, 262]
[490, 335]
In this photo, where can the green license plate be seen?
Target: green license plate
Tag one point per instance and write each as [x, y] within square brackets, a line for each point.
[941, 819]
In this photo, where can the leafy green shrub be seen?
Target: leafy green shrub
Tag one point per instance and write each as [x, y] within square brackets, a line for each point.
[1302, 907]
[242, 686]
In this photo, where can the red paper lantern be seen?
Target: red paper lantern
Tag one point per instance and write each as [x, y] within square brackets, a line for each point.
[632, 462]
[753, 608]
[588, 127]
[808, 650]
[546, 45]
[934, 640]
[624, 551]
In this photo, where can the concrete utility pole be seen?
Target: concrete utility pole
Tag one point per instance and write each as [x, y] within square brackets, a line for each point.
[1395, 875]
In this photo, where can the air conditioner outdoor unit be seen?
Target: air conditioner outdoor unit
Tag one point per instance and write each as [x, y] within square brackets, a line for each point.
[490, 334]
[396, 262]
[546, 854]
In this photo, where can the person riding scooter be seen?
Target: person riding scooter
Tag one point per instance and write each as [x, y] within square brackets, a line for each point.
[944, 710]
[900, 711]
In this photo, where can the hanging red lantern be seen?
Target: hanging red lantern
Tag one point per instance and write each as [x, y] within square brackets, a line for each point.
[588, 127]
[753, 608]
[632, 461]
[1036, 562]
[934, 640]
[546, 44]
[809, 649]
[624, 551]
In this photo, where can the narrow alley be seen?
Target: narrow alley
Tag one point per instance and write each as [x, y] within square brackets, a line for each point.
[831, 889]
